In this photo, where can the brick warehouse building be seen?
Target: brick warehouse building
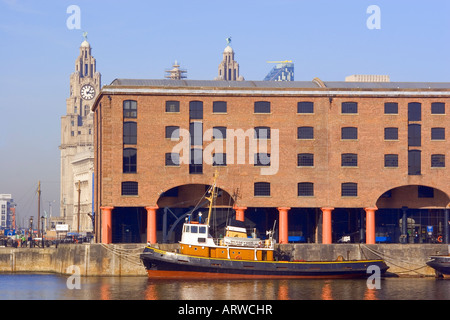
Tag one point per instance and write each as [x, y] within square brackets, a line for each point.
[344, 160]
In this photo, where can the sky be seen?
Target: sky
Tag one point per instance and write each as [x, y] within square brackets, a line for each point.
[328, 39]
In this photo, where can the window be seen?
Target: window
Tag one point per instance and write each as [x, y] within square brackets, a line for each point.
[391, 108]
[414, 135]
[414, 162]
[305, 189]
[262, 189]
[438, 108]
[172, 159]
[349, 160]
[390, 133]
[437, 133]
[414, 111]
[349, 133]
[391, 160]
[196, 133]
[262, 159]
[130, 109]
[438, 160]
[129, 133]
[173, 132]
[219, 159]
[349, 189]
[349, 107]
[172, 106]
[196, 110]
[219, 107]
[425, 192]
[129, 188]
[305, 107]
[219, 133]
[129, 160]
[262, 107]
[305, 160]
[262, 133]
[196, 161]
[305, 133]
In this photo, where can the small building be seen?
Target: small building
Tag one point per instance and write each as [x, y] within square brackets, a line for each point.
[7, 212]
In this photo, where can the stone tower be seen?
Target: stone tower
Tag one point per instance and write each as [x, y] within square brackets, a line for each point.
[229, 68]
[77, 138]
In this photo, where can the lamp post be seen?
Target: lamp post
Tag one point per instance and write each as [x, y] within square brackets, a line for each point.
[31, 232]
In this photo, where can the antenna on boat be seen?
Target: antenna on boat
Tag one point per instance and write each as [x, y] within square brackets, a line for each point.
[211, 197]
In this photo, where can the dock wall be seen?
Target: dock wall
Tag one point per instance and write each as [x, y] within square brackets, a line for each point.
[123, 259]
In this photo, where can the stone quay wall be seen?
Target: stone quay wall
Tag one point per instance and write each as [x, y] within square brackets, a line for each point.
[123, 259]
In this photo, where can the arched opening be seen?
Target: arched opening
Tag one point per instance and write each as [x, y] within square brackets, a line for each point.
[177, 203]
[412, 214]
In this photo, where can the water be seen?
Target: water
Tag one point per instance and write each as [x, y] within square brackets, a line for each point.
[55, 287]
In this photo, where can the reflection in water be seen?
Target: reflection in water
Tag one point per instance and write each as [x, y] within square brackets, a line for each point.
[53, 287]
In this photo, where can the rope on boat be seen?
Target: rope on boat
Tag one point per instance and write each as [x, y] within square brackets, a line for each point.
[391, 259]
[125, 254]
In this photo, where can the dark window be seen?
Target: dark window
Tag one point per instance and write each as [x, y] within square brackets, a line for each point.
[390, 133]
[349, 160]
[414, 135]
[219, 107]
[129, 133]
[129, 188]
[349, 107]
[172, 159]
[305, 107]
[349, 133]
[262, 159]
[130, 109]
[196, 133]
[414, 162]
[391, 108]
[196, 110]
[262, 133]
[305, 133]
[391, 160]
[170, 193]
[425, 192]
[219, 159]
[262, 189]
[437, 133]
[438, 108]
[414, 111]
[438, 160]
[196, 161]
[349, 189]
[219, 133]
[173, 132]
[129, 160]
[262, 107]
[172, 106]
[305, 160]
[305, 189]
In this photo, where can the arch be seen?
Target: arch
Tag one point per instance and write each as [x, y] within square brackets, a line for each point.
[413, 196]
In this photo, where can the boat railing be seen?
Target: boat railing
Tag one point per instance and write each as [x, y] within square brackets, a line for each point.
[263, 244]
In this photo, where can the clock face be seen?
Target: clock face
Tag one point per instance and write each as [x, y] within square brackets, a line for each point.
[87, 92]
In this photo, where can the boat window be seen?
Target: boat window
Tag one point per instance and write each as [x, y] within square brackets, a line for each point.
[202, 230]
[186, 229]
[194, 229]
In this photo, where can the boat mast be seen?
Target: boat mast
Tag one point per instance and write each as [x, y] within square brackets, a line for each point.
[211, 197]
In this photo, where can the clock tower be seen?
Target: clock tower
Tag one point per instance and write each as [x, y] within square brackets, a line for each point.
[77, 138]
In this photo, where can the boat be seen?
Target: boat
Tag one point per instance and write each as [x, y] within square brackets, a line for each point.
[441, 265]
[240, 256]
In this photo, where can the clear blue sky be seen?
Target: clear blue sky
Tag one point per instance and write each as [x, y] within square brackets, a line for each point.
[328, 39]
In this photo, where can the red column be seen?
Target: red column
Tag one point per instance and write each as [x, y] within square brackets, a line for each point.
[240, 213]
[284, 227]
[326, 226]
[106, 224]
[151, 224]
[370, 225]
